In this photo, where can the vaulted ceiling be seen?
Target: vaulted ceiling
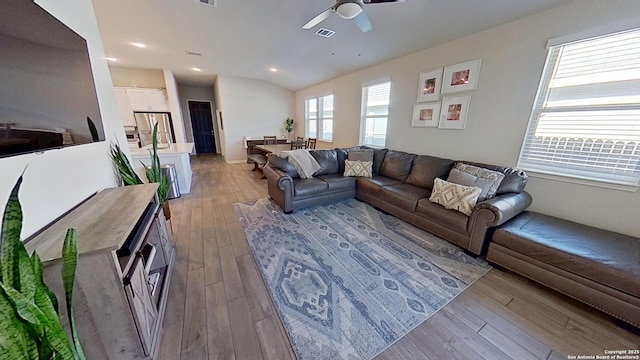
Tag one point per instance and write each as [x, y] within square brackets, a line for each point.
[246, 38]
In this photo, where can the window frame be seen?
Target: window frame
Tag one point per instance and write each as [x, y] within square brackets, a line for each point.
[320, 117]
[364, 115]
[544, 105]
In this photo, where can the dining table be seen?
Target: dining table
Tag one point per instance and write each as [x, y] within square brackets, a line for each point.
[273, 148]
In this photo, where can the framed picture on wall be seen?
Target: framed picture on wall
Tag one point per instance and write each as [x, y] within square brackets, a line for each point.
[461, 77]
[453, 114]
[429, 85]
[426, 115]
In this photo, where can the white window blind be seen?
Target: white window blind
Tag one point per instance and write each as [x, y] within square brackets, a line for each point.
[375, 113]
[585, 122]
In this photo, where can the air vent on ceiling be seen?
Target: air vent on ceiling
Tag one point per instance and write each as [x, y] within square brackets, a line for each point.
[208, 2]
[324, 32]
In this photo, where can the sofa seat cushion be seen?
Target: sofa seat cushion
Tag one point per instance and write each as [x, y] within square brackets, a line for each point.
[603, 256]
[373, 185]
[338, 182]
[309, 187]
[437, 213]
[404, 196]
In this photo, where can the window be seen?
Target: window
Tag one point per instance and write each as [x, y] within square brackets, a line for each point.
[585, 122]
[319, 117]
[375, 112]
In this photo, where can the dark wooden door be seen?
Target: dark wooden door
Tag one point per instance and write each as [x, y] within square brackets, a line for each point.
[202, 126]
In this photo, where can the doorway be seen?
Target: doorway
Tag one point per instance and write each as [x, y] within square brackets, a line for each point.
[202, 126]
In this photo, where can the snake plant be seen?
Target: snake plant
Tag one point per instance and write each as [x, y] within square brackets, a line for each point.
[154, 174]
[31, 327]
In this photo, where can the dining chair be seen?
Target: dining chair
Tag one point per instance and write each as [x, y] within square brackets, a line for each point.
[298, 145]
[311, 143]
[300, 138]
[270, 140]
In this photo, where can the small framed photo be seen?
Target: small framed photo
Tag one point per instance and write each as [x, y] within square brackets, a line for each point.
[426, 115]
[461, 77]
[453, 114]
[429, 85]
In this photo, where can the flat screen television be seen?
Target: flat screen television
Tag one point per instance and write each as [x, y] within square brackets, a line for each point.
[47, 93]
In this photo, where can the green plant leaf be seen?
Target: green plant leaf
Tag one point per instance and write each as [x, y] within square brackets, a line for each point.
[39, 274]
[123, 166]
[10, 237]
[15, 342]
[69, 264]
[93, 130]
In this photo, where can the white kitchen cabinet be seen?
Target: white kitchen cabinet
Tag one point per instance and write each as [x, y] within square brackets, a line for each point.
[124, 105]
[147, 99]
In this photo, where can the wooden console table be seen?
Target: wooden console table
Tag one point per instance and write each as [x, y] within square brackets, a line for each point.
[124, 270]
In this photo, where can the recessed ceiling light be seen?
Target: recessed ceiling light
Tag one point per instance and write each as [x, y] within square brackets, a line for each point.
[140, 45]
[196, 69]
[111, 59]
[273, 69]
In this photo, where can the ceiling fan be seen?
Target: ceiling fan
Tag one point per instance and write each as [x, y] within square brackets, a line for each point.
[348, 9]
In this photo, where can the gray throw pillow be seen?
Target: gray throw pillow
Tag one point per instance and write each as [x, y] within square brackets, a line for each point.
[361, 155]
[470, 175]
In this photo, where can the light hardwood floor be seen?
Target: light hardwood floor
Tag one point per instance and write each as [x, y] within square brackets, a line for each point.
[219, 307]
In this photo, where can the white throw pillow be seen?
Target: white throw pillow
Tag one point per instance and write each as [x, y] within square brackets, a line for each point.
[358, 168]
[454, 196]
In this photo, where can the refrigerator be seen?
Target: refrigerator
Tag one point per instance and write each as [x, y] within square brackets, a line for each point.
[145, 122]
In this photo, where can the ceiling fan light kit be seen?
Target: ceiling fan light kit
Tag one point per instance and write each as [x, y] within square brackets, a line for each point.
[348, 10]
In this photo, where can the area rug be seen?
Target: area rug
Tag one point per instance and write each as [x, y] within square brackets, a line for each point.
[348, 280]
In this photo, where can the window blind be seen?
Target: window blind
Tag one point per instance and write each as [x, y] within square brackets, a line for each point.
[375, 113]
[326, 118]
[585, 121]
[311, 117]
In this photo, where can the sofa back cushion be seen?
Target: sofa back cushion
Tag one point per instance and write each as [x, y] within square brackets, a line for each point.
[283, 165]
[397, 165]
[514, 179]
[328, 160]
[426, 168]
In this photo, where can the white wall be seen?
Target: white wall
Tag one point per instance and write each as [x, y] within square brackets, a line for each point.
[198, 93]
[173, 99]
[513, 56]
[57, 180]
[144, 78]
[251, 108]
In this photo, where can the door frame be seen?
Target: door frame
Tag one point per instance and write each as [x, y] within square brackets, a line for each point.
[216, 131]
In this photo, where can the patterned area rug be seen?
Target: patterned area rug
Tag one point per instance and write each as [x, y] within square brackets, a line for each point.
[348, 280]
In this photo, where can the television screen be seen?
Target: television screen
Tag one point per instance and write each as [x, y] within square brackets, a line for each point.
[47, 93]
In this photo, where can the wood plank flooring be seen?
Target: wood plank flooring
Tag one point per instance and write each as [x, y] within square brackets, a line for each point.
[219, 307]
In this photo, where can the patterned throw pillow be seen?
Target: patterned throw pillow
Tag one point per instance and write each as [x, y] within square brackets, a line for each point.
[357, 168]
[454, 196]
[470, 175]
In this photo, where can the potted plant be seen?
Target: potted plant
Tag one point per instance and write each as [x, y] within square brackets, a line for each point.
[128, 176]
[31, 327]
[289, 127]
[155, 175]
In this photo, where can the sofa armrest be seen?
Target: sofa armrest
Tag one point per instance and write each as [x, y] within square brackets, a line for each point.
[280, 187]
[491, 213]
[277, 177]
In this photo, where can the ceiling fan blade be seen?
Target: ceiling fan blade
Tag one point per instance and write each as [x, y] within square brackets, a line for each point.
[381, 1]
[318, 19]
[362, 20]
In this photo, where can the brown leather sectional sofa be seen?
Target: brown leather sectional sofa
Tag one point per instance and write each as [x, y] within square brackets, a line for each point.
[401, 185]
